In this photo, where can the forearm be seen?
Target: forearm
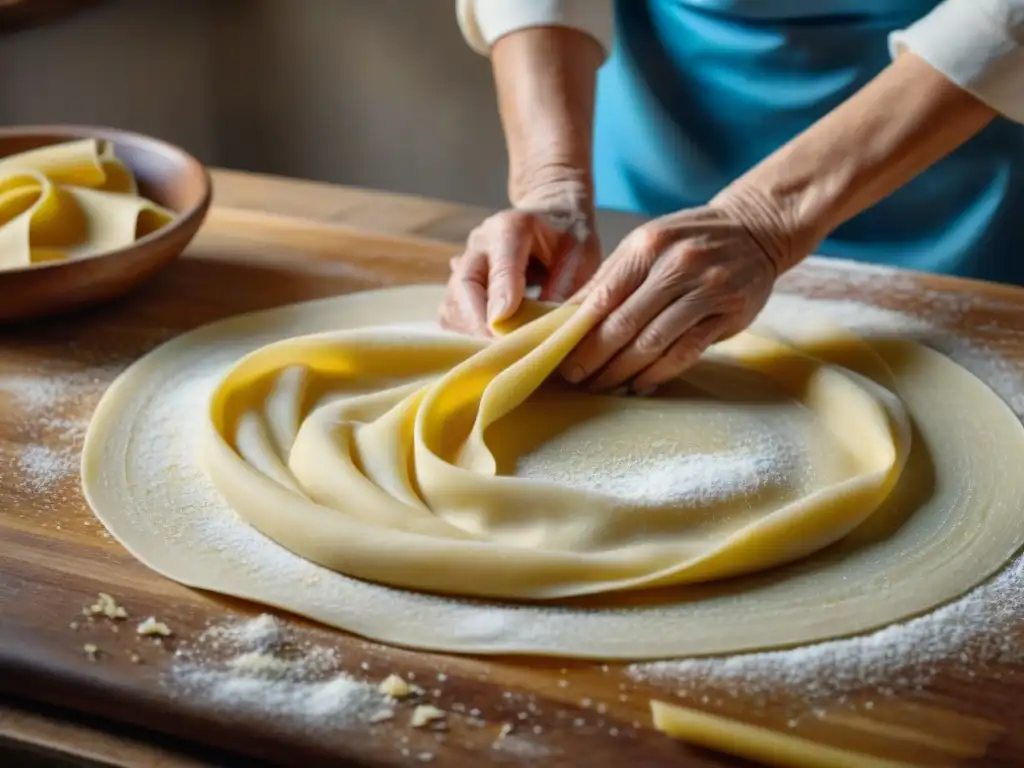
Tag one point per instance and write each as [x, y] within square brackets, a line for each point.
[905, 120]
[546, 79]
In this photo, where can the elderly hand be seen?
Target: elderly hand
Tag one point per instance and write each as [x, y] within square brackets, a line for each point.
[673, 287]
[534, 244]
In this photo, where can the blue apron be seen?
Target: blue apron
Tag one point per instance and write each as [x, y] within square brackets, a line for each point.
[696, 92]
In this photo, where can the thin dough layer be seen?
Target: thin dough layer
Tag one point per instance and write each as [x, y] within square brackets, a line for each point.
[399, 483]
[952, 520]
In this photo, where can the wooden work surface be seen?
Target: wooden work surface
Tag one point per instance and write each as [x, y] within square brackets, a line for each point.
[270, 242]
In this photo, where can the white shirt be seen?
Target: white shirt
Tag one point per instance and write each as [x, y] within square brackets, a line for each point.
[978, 44]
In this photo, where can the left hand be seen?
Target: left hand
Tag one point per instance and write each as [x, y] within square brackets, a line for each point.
[671, 289]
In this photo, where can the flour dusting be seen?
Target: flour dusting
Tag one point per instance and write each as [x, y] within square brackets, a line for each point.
[264, 633]
[971, 631]
[51, 455]
[979, 630]
[42, 467]
[256, 666]
[696, 480]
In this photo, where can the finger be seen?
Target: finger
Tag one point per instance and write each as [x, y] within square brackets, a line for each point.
[601, 301]
[589, 267]
[466, 297]
[449, 319]
[584, 264]
[448, 315]
[653, 340]
[639, 250]
[620, 329]
[601, 273]
[686, 350]
[508, 259]
[452, 315]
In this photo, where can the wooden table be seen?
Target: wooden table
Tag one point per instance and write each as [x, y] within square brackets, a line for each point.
[273, 241]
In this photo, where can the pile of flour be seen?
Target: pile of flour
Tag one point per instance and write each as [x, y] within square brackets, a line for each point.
[256, 666]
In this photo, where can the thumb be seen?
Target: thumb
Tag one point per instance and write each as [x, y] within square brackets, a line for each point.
[506, 283]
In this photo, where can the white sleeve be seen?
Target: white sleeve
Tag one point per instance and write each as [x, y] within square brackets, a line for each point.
[978, 44]
[483, 22]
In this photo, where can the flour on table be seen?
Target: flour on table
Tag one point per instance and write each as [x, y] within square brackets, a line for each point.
[264, 633]
[40, 401]
[255, 666]
[904, 656]
[42, 467]
[41, 394]
[978, 629]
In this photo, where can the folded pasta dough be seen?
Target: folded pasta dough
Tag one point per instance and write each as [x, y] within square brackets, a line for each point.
[370, 454]
[70, 201]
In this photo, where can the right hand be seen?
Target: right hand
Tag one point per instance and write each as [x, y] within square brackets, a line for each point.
[527, 245]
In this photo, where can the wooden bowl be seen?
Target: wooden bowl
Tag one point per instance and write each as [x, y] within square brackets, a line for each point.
[166, 175]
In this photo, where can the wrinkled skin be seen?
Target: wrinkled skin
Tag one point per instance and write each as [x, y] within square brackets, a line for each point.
[672, 288]
[555, 250]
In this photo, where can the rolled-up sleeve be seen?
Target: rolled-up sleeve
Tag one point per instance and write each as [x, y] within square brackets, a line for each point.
[483, 22]
[978, 44]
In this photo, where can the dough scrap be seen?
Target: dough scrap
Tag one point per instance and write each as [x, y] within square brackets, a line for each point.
[950, 521]
[70, 201]
[756, 743]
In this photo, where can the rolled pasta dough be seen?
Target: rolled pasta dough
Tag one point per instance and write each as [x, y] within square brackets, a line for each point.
[384, 451]
[376, 457]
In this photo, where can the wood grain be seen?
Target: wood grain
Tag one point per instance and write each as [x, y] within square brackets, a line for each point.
[37, 731]
[54, 558]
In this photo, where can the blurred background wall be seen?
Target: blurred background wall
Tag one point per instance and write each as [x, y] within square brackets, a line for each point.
[376, 93]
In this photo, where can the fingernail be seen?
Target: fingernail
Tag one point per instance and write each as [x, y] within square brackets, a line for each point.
[645, 391]
[499, 308]
[574, 373]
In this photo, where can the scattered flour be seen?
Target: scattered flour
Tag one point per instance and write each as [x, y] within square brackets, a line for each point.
[522, 747]
[40, 394]
[42, 468]
[977, 629]
[699, 480]
[255, 666]
[53, 456]
[338, 701]
[264, 633]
